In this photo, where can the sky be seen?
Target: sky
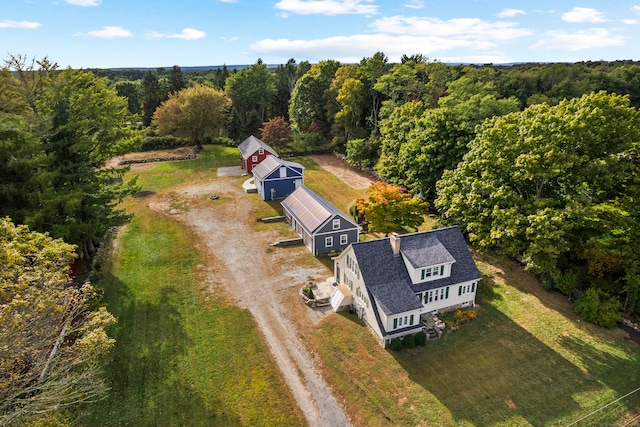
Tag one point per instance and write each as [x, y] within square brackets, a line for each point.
[163, 33]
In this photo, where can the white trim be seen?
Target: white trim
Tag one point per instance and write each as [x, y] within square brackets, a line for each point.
[335, 231]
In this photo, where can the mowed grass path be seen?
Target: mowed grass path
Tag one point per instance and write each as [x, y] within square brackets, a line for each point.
[184, 355]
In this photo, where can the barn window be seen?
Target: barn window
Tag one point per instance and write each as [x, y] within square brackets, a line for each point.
[344, 238]
[254, 158]
[328, 241]
[336, 223]
[261, 151]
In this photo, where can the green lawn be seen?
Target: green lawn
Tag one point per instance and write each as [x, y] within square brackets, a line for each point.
[165, 174]
[520, 363]
[184, 354]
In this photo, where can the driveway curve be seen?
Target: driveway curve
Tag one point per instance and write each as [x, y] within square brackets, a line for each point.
[241, 260]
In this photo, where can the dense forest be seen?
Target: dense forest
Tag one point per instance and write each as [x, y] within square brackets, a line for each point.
[537, 162]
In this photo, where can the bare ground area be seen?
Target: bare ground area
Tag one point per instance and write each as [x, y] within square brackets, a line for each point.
[261, 278]
[353, 177]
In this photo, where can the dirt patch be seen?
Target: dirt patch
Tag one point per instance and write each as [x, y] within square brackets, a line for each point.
[143, 194]
[261, 279]
[353, 177]
[145, 155]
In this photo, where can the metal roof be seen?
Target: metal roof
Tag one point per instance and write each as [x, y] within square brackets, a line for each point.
[310, 209]
[253, 144]
[271, 164]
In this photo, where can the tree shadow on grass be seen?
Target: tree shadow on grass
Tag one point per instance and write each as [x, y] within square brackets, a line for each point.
[492, 371]
[147, 385]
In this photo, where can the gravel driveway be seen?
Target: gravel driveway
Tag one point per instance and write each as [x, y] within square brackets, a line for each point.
[241, 260]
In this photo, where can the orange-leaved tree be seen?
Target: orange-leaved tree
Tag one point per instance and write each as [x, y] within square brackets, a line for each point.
[389, 207]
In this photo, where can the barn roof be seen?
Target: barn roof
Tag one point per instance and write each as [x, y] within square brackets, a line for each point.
[271, 164]
[310, 209]
[253, 144]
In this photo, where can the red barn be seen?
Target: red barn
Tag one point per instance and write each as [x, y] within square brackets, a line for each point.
[253, 151]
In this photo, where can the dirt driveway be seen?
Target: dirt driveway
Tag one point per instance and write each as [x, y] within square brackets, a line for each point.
[260, 278]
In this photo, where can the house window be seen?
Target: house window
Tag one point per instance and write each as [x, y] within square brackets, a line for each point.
[436, 271]
[254, 158]
[336, 223]
[426, 273]
[261, 151]
[328, 241]
[436, 295]
[344, 238]
[419, 296]
[467, 289]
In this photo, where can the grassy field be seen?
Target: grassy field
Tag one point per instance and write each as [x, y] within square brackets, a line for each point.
[184, 355]
[526, 360]
[165, 174]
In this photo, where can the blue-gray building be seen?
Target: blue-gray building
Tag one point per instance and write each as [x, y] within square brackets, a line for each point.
[276, 178]
[322, 226]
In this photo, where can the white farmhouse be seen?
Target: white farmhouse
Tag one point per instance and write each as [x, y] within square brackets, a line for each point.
[396, 279]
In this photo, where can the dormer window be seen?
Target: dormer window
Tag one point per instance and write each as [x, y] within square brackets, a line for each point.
[426, 272]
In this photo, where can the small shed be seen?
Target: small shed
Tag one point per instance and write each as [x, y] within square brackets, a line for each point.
[276, 178]
[322, 226]
[253, 151]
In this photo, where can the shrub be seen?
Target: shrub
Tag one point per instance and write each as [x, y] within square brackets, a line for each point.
[166, 142]
[224, 140]
[396, 344]
[598, 307]
[308, 292]
[421, 338]
[409, 341]
[566, 282]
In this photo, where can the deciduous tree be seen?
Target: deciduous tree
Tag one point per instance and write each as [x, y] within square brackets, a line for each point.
[195, 113]
[276, 132]
[552, 185]
[251, 91]
[388, 207]
[50, 342]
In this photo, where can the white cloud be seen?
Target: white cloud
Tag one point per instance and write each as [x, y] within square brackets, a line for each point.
[462, 28]
[630, 21]
[635, 8]
[185, 34]
[107, 32]
[188, 34]
[579, 40]
[415, 4]
[350, 48]
[84, 2]
[328, 7]
[583, 14]
[510, 13]
[25, 25]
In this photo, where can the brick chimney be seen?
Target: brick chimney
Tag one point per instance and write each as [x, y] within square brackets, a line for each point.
[394, 239]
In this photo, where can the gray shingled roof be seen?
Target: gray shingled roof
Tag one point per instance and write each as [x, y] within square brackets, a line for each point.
[386, 275]
[251, 145]
[424, 252]
[270, 164]
[310, 209]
